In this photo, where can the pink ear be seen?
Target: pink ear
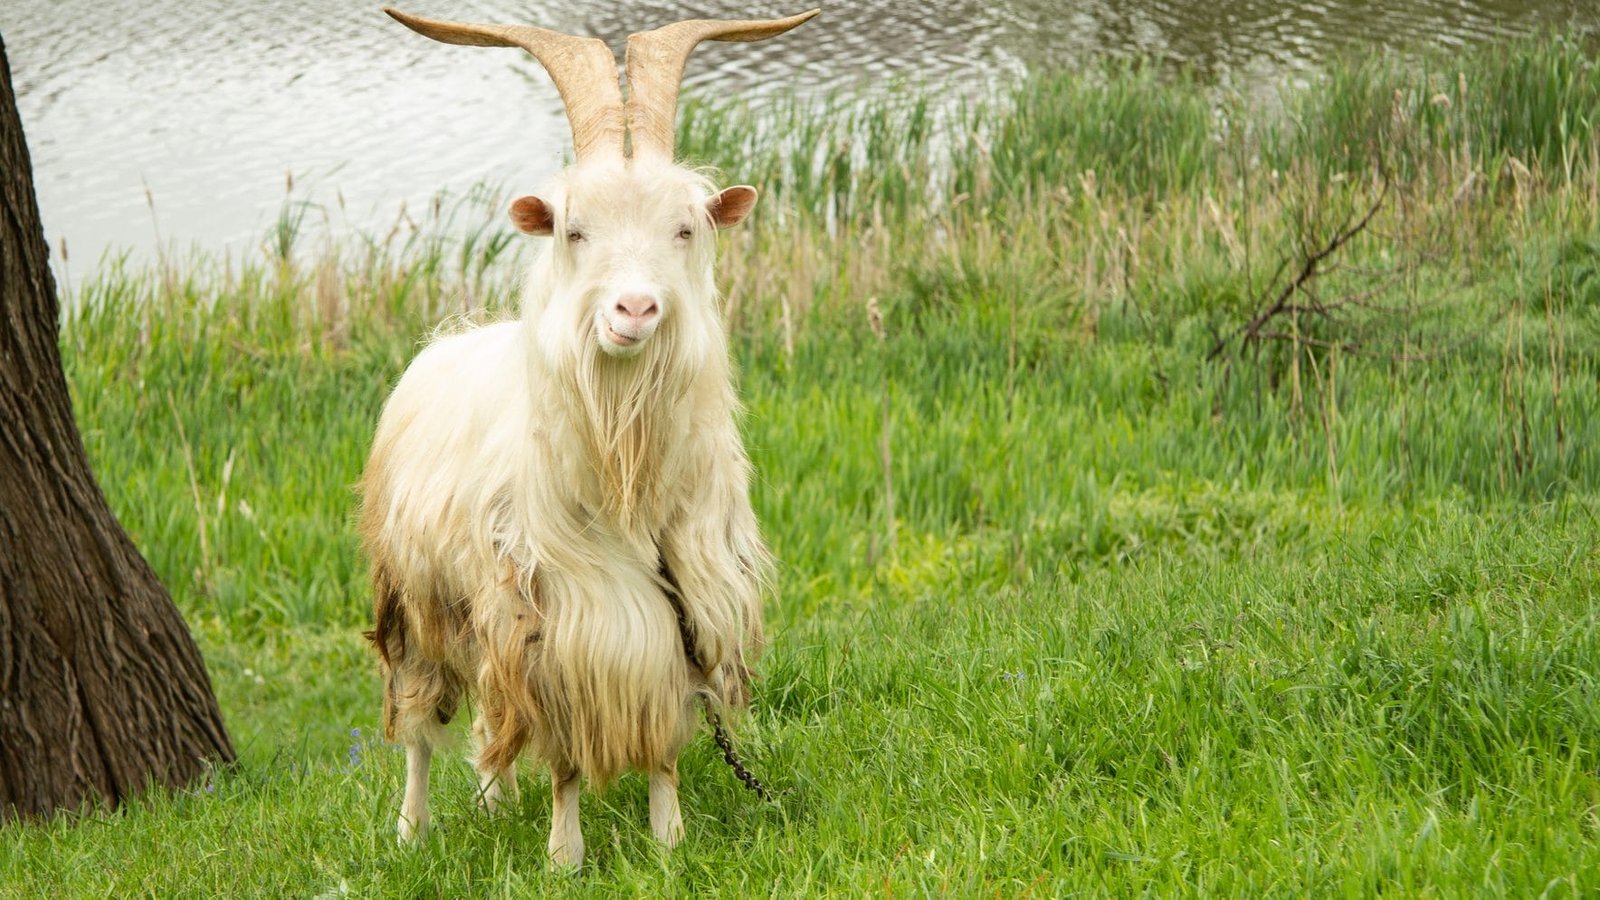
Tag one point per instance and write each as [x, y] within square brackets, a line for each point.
[532, 216]
[729, 207]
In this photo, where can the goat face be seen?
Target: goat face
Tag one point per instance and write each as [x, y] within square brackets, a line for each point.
[632, 250]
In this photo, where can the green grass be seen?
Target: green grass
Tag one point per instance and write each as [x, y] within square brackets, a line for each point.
[1316, 616]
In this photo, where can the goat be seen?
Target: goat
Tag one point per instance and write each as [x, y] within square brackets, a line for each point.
[556, 508]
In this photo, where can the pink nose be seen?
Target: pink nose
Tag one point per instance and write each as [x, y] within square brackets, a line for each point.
[638, 309]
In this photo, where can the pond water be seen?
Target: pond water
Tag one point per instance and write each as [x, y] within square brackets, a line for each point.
[179, 124]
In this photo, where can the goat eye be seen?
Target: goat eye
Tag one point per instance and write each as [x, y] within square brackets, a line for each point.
[685, 233]
[574, 236]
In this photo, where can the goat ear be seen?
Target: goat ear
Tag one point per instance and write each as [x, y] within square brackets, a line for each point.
[533, 216]
[729, 207]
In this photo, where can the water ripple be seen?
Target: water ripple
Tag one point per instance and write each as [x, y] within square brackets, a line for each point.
[211, 105]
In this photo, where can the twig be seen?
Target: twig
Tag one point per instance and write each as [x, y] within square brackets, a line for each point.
[1308, 271]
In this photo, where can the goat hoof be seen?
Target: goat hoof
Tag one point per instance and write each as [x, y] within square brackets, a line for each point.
[669, 836]
[495, 795]
[566, 859]
[410, 835]
[489, 800]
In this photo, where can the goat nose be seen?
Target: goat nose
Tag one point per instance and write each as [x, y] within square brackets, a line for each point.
[638, 306]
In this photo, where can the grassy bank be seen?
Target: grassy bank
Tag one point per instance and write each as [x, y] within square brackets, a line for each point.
[1216, 513]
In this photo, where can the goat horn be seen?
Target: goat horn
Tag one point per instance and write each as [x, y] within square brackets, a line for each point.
[584, 70]
[655, 69]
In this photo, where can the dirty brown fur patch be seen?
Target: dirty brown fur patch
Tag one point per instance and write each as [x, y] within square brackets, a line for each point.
[388, 620]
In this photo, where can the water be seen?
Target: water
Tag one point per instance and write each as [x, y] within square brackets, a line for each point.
[178, 124]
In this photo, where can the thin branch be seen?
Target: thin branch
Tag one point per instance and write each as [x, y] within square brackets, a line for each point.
[1308, 271]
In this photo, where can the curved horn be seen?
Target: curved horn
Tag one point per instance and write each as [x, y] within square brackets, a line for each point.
[584, 70]
[655, 69]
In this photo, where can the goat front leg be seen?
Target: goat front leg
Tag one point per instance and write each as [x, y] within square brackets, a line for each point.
[414, 808]
[666, 821]
[566, 838]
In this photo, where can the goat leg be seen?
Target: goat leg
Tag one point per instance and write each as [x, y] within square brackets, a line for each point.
[566, 838]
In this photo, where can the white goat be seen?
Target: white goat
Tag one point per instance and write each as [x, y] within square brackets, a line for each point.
[546, 497]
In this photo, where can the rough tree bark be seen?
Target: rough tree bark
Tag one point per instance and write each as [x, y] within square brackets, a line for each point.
[102, 689]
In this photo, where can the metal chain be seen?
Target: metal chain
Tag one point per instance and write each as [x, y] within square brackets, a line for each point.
[718, 734]
[732, 758]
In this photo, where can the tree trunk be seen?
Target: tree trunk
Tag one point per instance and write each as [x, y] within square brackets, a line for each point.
[102, 689]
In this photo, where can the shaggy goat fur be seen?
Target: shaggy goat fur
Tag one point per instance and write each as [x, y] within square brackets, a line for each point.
[531, 499]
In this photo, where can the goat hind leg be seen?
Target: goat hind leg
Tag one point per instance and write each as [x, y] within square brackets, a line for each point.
[413, 824]
[420, 698]
[494, 785]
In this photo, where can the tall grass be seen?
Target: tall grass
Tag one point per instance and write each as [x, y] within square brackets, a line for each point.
[1316, 615]
[1538, 103]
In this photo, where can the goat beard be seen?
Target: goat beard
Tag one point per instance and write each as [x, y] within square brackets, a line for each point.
[625, 411]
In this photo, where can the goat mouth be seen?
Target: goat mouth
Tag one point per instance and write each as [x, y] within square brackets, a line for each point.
[621, 340]
[618, 343]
